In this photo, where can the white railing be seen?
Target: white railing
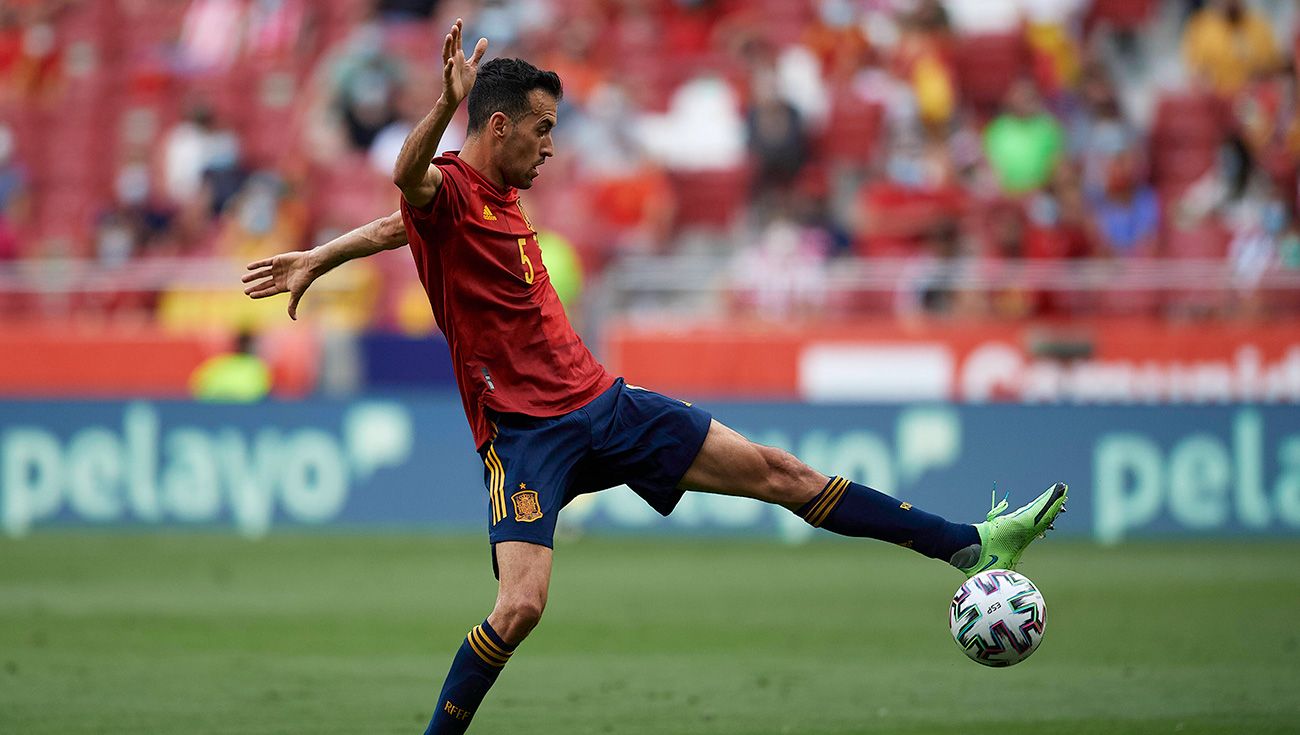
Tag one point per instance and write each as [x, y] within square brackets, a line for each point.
[74, 275]
[695, 273]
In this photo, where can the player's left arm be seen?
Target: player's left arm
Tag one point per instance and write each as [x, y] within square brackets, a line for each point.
[412, 173]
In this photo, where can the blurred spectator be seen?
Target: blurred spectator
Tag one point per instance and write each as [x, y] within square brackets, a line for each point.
[777, 142]
[238, 376]
[211, 34]
[983, 17]
[264, 218]
[918, 196]
[506, 22]
[837, 39]
[201, 162]
[574, 53]
[923, 58]
[783, 274]
[137, 222]
[1050, 30]
[13, 180]
[13, 196]
[1059, 223]
[1008, 240]
[1127, 210]
[1268, 125]
[702, 129]
[1226, 43]
[280, 29]
[689, 26]
[1099, 130]
[31, 57]
[933, 284]
[1025, 143]
[412, 104]
[402, 10]
[630, 202]
[366, 81]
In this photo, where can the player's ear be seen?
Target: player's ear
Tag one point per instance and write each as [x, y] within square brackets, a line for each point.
[499, 124]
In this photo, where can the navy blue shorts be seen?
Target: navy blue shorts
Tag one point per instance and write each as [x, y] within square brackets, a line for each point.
[627, 435]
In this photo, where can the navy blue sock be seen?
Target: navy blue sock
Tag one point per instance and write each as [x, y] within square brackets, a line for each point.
[480, 659]
[850, 509]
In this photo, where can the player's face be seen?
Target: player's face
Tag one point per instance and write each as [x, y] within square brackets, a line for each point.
[529, 144]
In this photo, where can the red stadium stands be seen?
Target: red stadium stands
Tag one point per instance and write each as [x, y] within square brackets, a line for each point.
[710, 199]
[986, 66]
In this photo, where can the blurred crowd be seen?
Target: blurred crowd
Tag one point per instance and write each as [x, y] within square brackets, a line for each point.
[789, 135]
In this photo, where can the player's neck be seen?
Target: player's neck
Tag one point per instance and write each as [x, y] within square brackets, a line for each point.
[479, 158]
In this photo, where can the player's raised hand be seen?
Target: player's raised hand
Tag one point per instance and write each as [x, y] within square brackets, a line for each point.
[287, 272]
[459, 73]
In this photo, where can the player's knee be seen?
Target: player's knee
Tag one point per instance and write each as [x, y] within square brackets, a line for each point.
[518, 615]
[787, 476]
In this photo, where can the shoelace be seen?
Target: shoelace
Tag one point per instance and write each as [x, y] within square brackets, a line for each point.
[998, 508]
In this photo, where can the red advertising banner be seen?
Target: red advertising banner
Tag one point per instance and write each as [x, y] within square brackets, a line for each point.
[1103, 361]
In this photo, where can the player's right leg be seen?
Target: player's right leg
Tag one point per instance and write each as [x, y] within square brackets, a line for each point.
[525, 576]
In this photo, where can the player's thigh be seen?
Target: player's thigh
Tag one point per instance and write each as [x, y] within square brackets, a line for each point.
[730, 464]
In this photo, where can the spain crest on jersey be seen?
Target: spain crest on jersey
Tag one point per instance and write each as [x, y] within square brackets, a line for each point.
[527, 509]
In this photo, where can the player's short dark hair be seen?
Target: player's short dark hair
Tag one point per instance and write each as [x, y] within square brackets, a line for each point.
[503, 85]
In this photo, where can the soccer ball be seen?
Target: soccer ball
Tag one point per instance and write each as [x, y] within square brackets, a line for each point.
[997, 617]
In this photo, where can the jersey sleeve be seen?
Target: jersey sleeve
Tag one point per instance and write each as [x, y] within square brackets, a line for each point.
[447, 203]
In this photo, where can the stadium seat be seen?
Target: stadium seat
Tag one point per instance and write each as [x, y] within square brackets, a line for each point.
[852, 132]
[986, 67]
[1185, 139]
[1128, 15]
[710, 199]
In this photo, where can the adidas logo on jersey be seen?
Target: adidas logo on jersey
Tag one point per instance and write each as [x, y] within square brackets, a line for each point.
[487, 214]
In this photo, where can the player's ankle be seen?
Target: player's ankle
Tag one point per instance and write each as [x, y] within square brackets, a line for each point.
[966, 557]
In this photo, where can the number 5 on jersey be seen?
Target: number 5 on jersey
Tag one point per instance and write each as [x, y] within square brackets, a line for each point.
[528, 264]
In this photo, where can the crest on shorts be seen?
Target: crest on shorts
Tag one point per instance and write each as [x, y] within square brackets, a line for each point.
[527, 509]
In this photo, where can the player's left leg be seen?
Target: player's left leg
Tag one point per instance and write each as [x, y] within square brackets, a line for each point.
[525, 572]
[730, 464]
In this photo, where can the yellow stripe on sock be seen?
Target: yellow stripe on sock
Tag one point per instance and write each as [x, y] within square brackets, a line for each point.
[487, 639]
[488, 646]
[830, 498]
[821, 500]
[488, 658]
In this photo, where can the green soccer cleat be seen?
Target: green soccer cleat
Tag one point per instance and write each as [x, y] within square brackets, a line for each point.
[1003, 538]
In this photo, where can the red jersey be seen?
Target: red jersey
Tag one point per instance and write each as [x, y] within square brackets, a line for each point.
[512, 346]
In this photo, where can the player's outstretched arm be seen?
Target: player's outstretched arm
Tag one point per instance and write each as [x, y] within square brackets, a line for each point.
[412, 173]
[293, 272]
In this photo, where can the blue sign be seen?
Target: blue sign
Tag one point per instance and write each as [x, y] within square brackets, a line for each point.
[1133, 470]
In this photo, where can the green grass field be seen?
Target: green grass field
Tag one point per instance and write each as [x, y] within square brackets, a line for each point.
[352, 634]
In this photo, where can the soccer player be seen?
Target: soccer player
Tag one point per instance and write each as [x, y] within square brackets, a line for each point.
[548, 421]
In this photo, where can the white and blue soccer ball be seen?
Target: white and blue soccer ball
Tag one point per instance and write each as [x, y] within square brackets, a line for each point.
[997, 617]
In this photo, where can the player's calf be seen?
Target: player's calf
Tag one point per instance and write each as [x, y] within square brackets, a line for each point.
[785, 480]
[850, 509]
